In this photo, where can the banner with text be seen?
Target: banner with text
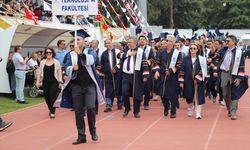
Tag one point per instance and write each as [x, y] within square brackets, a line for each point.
[75, 7]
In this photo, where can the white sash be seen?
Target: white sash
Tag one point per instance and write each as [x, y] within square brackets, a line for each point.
[74, 57]
[207, 53]
[147, 51]
[138, 61]
[237, 59]
[203, 64]
[117, 51]
[174, 58]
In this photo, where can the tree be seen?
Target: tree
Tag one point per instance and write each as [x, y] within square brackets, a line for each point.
[217, 13]
[227, 14]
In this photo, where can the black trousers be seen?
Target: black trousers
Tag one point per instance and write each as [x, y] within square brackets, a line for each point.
[137, 104]
[212, 84]
[127, 92]
[146, 92]
[167, 102]
[50, 89]
[84, 97]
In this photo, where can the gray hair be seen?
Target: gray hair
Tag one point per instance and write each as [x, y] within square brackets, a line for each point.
[134, 39]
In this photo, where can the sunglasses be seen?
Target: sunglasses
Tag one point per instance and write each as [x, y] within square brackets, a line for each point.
[152, 42]
[71, 46]
[227, 41]
[48, 52]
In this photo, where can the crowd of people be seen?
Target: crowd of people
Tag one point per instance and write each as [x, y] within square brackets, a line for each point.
[15, 7]
[167, 69]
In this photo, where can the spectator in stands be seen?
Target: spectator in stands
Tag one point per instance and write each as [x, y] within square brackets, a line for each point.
[50, 75]
[20, 71]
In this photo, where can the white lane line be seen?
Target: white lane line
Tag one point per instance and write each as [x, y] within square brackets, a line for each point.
[143, 133]
[71, 136]
[213, 129]
[30, 126]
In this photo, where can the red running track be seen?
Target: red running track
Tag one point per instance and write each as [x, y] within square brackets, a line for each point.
[34, 130]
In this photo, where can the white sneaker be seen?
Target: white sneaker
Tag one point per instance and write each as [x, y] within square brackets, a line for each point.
[190, 112]
[198, 115]
[222, 103]
[155, 98]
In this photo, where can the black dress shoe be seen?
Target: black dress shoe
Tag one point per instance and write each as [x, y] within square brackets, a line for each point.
[94, 137]
[108, 110]
[173, 116]
[21, 102]
[125, 114]
[165, 112]
[137, 115]
[79, 141]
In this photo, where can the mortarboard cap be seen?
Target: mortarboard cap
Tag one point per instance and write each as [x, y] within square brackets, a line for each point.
[227, 34]
[164, 35]
[195, 27]
[176, 32]
[158, 39]
[138, 30]
[150, 35]
[218, 33]
[80, 33]
[208, 28]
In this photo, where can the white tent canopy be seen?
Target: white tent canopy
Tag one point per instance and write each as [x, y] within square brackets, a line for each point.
[32, 38]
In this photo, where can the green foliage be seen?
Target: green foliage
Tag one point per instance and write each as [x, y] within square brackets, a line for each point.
[223, 14]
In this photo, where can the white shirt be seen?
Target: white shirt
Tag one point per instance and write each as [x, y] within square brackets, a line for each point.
[227, 60]
[185, 50]
[17, 59]
[31, 63]
[110, 59]
[131, 71]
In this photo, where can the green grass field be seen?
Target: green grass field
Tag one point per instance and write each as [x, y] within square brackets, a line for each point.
[9, 105]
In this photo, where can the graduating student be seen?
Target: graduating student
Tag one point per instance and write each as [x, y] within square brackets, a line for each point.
[167, 68]
[150, 58]
[134, 72]
[192, 80]
[110, 67]
[83, 86]
[233, 81]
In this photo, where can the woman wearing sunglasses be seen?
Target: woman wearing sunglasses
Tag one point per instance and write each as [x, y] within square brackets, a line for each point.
[50, 76]
[192, 81]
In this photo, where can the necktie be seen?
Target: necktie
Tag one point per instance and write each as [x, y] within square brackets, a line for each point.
[128, 63]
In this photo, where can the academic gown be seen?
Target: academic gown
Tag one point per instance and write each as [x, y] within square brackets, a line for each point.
[110, 79]
[188, 76]
[168, 85]
[236, 92]
[137, 91]
[65, 97]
